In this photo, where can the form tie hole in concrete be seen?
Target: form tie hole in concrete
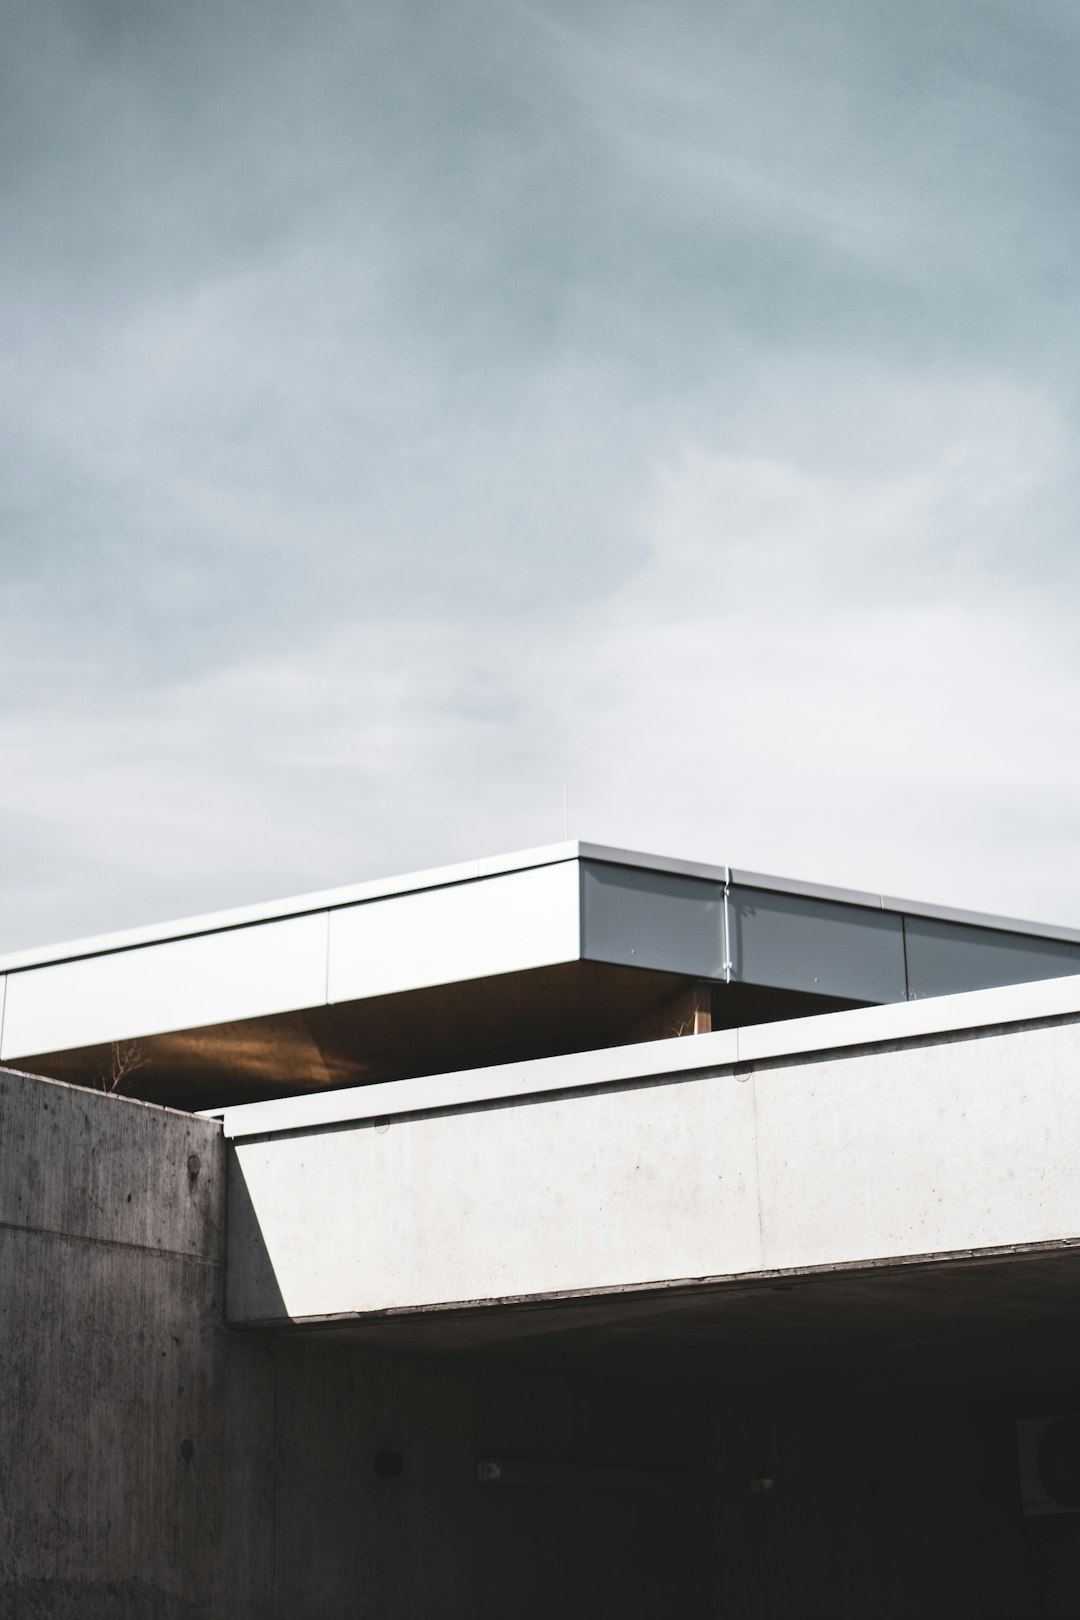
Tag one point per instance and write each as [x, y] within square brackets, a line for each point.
[187, 1449]
[389, 1464]
[194, 1165]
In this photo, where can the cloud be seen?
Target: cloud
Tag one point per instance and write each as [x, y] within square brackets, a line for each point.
[803, 673]
[850, 676]
[405, 415]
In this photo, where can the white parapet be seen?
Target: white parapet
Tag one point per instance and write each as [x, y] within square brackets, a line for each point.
[936, 1128]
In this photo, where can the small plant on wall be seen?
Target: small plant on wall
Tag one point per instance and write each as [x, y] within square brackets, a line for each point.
[120, 1062]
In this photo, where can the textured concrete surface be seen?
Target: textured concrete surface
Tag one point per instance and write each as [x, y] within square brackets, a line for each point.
[135, 1441]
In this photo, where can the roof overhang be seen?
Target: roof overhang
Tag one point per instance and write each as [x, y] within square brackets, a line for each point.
[558, 949]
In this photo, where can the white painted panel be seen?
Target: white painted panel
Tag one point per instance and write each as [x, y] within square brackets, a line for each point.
[211, 979]
[467, 931]
[3, 997]
[938, 1148]
[959, 1144]
[569, 1194]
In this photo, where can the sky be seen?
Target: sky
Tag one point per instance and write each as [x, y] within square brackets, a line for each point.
[409, 410]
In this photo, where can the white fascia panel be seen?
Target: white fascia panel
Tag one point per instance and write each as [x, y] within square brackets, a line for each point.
[585, 1192]
[914, 1151]
[494, 925]
[920, 1149]
[185, 984]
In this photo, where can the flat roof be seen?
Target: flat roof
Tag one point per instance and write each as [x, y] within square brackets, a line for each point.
[469, 871]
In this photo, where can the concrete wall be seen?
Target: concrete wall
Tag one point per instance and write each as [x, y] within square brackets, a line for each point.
[926, 1146]
[879, 1508]
[882, 1508]
[436, 1542]
[135, 1447]
[154, 1466]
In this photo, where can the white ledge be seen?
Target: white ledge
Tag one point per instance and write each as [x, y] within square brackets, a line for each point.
[608, 1066]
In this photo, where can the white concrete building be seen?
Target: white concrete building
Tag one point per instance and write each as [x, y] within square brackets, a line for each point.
[577, 1233]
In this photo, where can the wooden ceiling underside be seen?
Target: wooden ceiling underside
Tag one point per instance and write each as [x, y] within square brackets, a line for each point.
[576, 1006]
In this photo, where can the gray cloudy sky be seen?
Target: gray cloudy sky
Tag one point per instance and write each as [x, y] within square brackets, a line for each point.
[407, 408]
